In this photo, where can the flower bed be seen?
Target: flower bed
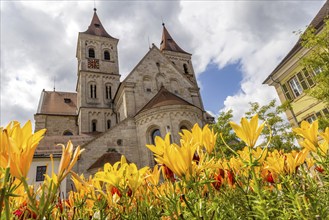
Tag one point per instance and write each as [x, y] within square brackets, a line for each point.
[192, 180]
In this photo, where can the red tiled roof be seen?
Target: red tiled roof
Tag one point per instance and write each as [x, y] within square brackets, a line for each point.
[58, 103]
[168, 43]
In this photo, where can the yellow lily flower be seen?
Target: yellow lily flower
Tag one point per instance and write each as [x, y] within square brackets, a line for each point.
[309, 145]
[201, 137]
[208, 138]
[68, 161]
[275, 162]
[154, 176]
[160, 145]
[134, 176]
[193, 137]
[18, 146]
[178, 159]
[308, 131]
[112, 174]
[325, 134]
[294, 160]
[324, 148]
[248, 131]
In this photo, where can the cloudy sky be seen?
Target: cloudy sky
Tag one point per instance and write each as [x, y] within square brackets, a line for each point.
[235, 45]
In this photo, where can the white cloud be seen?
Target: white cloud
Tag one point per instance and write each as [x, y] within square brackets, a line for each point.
[254, 34]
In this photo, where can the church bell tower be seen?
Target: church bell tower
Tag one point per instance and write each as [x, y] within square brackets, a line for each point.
[98, 78]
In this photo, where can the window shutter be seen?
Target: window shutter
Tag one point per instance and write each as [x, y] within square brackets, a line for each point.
[308, 78]
[302, 80]
[286, 91]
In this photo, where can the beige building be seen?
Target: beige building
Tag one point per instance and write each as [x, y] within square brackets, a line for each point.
[291, 80]
[105, 115]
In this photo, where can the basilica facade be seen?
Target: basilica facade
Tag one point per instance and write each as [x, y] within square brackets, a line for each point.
[108, 117]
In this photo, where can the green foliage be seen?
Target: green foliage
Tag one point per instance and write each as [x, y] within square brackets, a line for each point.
[276, 129]
[317, 42]
[223, 127]
[317, 60]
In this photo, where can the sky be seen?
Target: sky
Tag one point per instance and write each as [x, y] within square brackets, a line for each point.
[235, 45]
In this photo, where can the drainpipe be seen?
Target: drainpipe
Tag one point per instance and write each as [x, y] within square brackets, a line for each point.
[291, 110]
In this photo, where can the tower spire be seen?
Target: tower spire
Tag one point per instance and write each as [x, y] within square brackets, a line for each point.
[96, 27]
[168, 43]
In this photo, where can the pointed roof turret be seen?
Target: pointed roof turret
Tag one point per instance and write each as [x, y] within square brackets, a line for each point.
[168, 43]
[96, 27]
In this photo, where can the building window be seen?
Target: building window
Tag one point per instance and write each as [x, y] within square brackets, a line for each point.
[108, 92]
[295, 86]
[317, 70]
[106, 55]
[286, 92]
[108, 124]
[183, 127]
[94, 125]
[93, 94]
[311, 119]
[41, 171]
[325, 111]
[91, 53]
[305, 79]
[155, 133]
[185, 68]
[308, 78]
[67, 133]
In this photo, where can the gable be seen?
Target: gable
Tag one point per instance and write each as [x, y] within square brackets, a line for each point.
[164, 98]
[150, 74]
[153, 63]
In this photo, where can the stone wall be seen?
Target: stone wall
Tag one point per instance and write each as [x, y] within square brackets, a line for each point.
[56, 124]
[100, 115]
[154, 71]
[122, 138]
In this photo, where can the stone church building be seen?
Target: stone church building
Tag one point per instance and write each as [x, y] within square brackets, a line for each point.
[109, 117]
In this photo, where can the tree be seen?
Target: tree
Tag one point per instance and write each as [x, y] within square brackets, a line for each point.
[278, 129]
[223, 127]
[317, 61]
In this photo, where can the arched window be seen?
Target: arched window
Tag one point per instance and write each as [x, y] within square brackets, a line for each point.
[155, 133]
[94, 125]
[183, 127]
[108, 124]
[67, 133]
[93, 94]
[108, 91]
[91, 53]
[106, 55]
[185, 68]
